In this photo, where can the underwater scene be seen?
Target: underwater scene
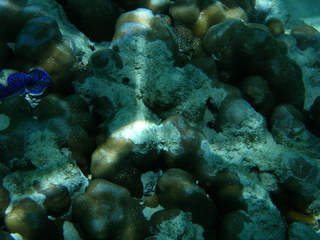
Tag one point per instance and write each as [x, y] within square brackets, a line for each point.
[159, 120]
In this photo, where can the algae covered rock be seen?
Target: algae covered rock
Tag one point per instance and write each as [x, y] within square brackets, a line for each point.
[166, 94]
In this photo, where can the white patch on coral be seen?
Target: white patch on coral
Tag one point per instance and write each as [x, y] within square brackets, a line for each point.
[148, 212]
[43, 150]
[149, 182]
[138, 132]
[169, 138]
[53, 167]
[164, 137]
[70, 232]
[180, 227]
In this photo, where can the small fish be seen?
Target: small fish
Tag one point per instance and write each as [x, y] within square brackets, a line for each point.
[32, 84]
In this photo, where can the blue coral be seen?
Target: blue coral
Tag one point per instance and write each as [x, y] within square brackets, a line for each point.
[34, 84]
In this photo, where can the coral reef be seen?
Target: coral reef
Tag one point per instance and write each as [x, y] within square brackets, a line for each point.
[158, 119]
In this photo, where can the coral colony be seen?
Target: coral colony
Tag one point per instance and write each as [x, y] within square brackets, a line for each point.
[159, 120]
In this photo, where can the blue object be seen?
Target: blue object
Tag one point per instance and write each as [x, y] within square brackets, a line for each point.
[34, 84]
[38, 83]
